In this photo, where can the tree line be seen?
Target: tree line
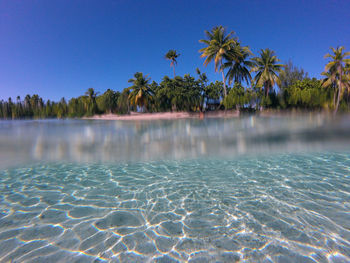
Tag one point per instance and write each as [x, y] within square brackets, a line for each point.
[248, 84]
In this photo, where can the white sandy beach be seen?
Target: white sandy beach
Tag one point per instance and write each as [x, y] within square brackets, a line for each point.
[165, 115]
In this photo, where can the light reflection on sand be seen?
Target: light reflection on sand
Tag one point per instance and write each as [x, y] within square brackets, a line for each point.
[282, 208]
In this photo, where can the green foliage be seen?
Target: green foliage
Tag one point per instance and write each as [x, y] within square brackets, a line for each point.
[220, 46]
[107, 102]
[266, 69]
[239, 97]
[290, 74]
[190, 93]
[123, 105]
[35, 107]
[238, 64]
[337, 73]
[172, 55]
[90, 102]
[185, 93]
[308, 94]
[178, 94]
[76, 107]
[141, 94]
[214, 91]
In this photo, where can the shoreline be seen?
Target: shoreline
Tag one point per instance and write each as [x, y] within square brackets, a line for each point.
[165, 116]
[136, 116]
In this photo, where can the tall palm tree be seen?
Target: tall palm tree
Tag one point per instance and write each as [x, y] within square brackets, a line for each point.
[91, 93]
[267, 69]
[238, 65]
[172, 55]
[336, 69]
[27, 100]
[218, 46]
[347, 75]
[141, 94]
[329, 81]
[90, 102]
[347, 68]
[347, 79]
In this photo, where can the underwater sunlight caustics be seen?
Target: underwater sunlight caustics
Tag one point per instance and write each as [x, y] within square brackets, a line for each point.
[250, 189]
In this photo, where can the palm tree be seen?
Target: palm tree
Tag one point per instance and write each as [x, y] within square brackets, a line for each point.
[336, 69]
[141, 93]
[329, 81]
[27, 101]
[347, 75]
[347, 68]
[90, 103]
[238, 65]
[267, 68]
[172, 55]
[202, 82]
[347, 79]
[218, 46]
[91, 93]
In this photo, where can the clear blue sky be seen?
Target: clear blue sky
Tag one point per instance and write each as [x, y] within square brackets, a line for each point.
[59, 48]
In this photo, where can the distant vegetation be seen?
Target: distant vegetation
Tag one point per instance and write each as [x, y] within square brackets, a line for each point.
[272, 86]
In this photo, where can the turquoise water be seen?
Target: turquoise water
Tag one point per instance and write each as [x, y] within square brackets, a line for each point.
[243, 190]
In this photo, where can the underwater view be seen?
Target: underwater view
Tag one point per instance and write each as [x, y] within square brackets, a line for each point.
[250, 189]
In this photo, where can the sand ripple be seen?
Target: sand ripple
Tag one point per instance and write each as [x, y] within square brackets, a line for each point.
[286, 208]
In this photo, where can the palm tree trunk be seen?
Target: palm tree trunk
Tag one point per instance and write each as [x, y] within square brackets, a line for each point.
[339, 91]
[267, 89]
[174, 71]
[223, 79]
[338, 99]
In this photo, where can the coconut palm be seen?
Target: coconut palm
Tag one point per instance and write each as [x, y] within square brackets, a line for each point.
[336, 69]
[91, 93]
[90, 101]
[329, 81]
[218, 46]
[347, 78]
[238, 65]
[172, 55]
[266, 69]
[347, 68]
[347, 75]
[141, 94]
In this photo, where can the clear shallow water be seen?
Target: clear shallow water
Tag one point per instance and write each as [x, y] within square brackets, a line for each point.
[123, 141]
[272, 203]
